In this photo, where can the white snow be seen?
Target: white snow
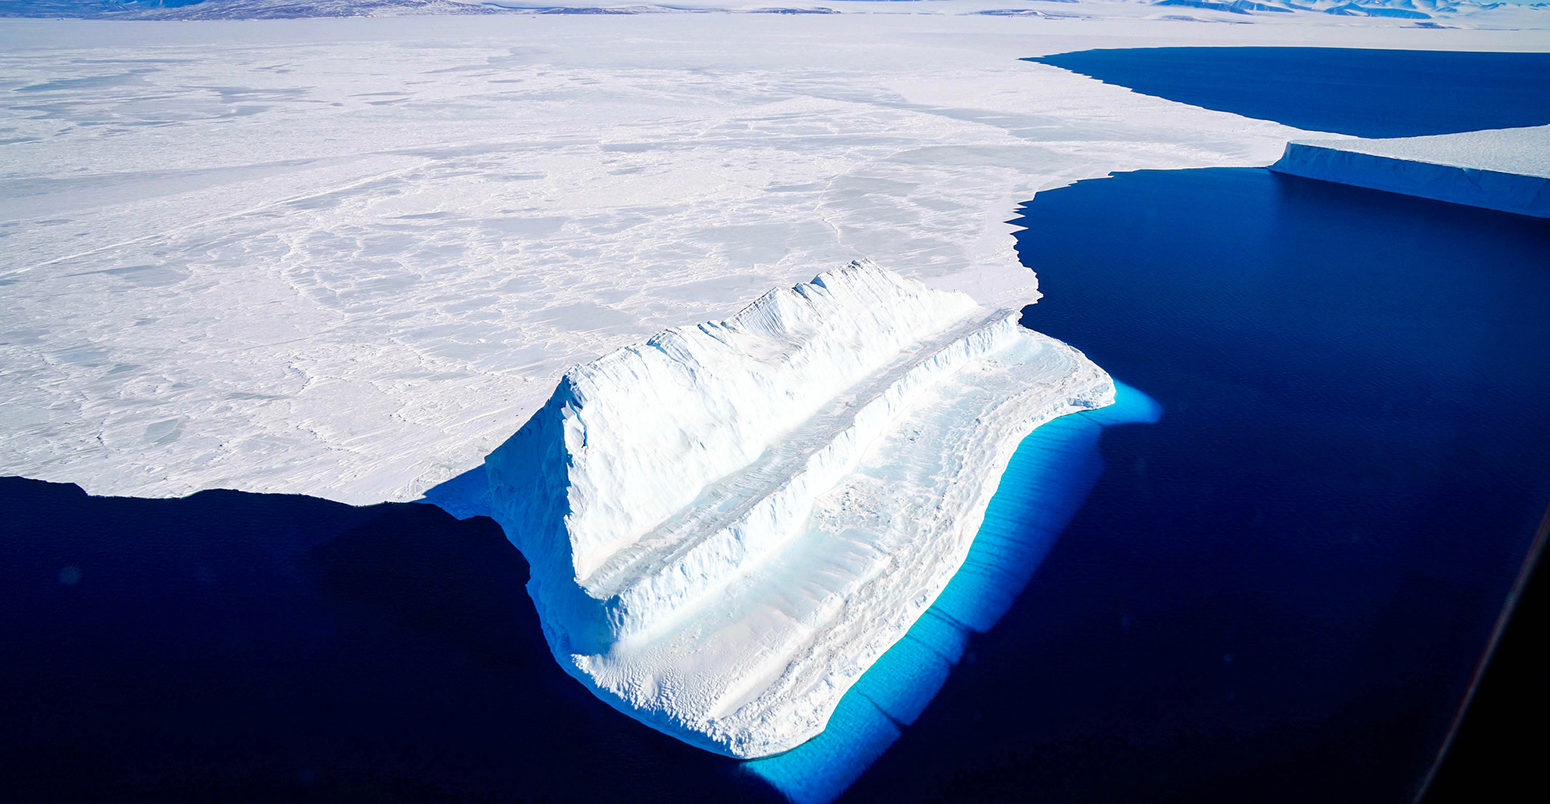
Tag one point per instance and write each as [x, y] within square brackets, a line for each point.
[727, 525]
[1506, 169]
[1451, 12]
[345, 257]
[341, 257]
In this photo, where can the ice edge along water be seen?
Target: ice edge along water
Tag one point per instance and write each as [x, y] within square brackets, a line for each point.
[1505, 169]
[1041, 490]
[729, 524]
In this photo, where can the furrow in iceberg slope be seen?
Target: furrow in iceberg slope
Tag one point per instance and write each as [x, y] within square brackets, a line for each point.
[729, 524]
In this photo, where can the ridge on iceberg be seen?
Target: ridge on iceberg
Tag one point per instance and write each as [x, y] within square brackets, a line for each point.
[727, 525]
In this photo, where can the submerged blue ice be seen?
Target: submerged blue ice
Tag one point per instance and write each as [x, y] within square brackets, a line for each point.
[1044, 485]
[1047, 480]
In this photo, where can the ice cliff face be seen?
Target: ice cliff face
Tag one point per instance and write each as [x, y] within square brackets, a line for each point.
[727, 525]
[1505, 169]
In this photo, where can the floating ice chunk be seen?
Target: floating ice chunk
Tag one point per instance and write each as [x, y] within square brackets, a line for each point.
[1505, 169]
[728, 525]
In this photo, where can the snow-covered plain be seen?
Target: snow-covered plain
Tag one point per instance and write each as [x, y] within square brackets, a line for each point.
[349, 257]
[728, 525]
[1472, 13]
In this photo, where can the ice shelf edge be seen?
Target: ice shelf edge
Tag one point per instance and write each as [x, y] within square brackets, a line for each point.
[1517, 193]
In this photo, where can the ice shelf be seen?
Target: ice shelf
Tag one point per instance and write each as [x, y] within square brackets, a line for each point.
[1505, 169]
[728, 525]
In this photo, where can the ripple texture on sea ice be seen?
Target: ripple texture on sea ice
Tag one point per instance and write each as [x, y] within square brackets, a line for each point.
[728, 525]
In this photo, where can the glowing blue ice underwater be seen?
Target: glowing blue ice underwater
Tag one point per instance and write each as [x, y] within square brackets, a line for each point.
[1045, 483]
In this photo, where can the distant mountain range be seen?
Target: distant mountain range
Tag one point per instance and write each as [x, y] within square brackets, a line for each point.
[235, 9]
[1401, 9]
[270, 9]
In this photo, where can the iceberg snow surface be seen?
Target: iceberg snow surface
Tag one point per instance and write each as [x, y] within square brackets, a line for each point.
[728, 525]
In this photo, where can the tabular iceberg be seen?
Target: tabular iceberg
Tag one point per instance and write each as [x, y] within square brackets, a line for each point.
[728, 525]
[1505, 169]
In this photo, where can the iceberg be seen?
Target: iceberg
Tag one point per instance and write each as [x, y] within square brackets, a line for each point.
[1504, 169]
[727, 525]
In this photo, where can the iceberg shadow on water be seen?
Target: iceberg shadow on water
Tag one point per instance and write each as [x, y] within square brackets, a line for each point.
[1045, 483]
[230, 645]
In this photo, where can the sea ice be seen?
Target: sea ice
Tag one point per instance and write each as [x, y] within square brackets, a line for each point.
[732, 522]
[341, 257]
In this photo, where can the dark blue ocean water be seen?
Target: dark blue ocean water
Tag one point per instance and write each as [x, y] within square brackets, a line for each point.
[246, 646]
[1279, 591]
[1368, 93]
[233, 646]
[1276, 591]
